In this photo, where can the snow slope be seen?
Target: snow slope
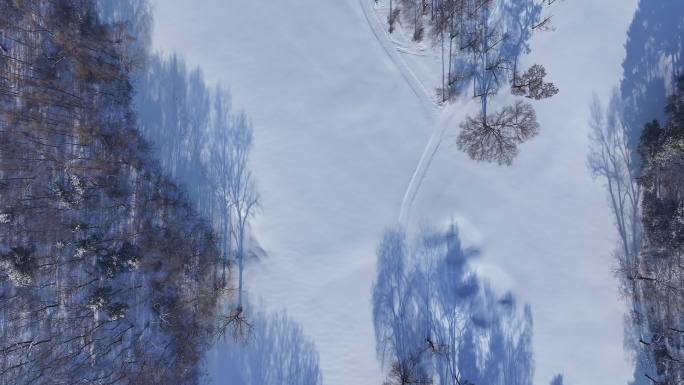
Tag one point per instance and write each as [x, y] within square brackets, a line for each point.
[339, 130]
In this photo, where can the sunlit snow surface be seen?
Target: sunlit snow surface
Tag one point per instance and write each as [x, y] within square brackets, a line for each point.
[338, 135]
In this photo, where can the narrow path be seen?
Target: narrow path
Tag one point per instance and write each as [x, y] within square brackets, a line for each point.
[430, 108]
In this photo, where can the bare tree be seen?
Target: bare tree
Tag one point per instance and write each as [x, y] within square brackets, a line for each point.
[242, 192]
[531, 84]
[496, 137]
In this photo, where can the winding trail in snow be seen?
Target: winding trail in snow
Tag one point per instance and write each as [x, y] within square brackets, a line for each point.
[430, 108]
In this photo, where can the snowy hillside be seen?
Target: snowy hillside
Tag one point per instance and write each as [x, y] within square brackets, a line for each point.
[338, 134]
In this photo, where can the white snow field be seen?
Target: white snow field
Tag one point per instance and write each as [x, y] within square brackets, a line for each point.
[339, 132]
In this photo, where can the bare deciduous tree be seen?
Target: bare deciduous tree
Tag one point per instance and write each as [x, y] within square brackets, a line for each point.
[496, 137]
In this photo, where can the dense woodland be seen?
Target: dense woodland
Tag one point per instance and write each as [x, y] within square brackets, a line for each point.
[481, 43]
[437, 322]
[108, 274]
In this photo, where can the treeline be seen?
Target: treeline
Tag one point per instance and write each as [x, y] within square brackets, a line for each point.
[204, 143]
[640, 161]
[437, 322]
[481, 43]
[107, 273]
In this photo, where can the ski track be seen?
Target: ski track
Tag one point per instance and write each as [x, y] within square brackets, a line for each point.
[430, 108]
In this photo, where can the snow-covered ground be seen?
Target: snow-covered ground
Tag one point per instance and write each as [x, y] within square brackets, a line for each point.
[339, 131]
